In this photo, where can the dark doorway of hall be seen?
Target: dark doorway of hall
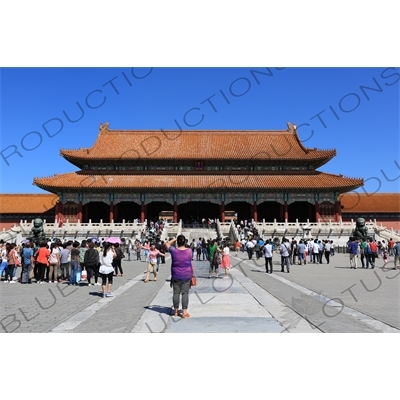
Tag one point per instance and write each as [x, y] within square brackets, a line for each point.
[195, 211]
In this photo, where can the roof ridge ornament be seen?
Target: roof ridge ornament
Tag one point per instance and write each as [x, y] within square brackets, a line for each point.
[104, 127]
[291, 127]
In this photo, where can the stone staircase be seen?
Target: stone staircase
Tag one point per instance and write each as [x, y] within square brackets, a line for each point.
[386, 234]
[196, 233]
[189, 231]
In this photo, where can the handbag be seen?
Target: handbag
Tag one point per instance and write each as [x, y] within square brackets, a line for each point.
[217, 258]
[84, 275]
[193, 281]
[17, 260]
[78, 275]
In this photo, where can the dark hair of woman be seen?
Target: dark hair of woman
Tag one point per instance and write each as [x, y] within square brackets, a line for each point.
[180, 240]
[106, 246]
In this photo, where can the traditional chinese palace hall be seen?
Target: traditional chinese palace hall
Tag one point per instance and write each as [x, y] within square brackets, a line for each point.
[198, 174]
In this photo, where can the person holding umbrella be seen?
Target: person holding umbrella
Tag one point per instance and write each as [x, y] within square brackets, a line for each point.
[117, 260]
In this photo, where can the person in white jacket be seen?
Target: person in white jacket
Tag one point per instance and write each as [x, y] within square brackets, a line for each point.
[106, 268]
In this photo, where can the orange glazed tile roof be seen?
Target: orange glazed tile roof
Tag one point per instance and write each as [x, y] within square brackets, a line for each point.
[319, 180]
[194, 145]
[26, 203]
[370, 203]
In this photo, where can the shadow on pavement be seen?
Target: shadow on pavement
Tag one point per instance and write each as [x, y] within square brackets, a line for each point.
[160, 309]
[99, 294]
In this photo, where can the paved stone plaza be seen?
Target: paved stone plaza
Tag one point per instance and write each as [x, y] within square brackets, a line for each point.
[312, 298]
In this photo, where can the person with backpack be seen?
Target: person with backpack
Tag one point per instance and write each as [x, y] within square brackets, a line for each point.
[301, 252]
[215, 259]
[365, 250]
[27, 262]
[117, 260]
[91, 262]
[285, 254]
[198, 250]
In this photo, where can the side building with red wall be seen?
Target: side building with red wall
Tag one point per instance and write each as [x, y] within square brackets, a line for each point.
[17, 207]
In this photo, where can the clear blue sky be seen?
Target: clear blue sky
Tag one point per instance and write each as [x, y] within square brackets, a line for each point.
[361, 124]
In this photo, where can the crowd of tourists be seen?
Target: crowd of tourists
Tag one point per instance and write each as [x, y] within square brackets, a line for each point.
[318, 251]
[368, 250]
[72, 261]
[247, 228]
[56, 261]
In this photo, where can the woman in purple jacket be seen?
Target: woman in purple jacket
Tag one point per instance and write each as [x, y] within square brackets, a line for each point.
[181, 273]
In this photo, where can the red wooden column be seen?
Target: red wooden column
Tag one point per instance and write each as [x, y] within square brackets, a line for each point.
[111, 211]
[142, 212]
[317, 214]
[255, 215]
[79, 216]
[281, 212]
[338, 211]
[285, 211]
[175, 212]
[222, 211]
[59, 211]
